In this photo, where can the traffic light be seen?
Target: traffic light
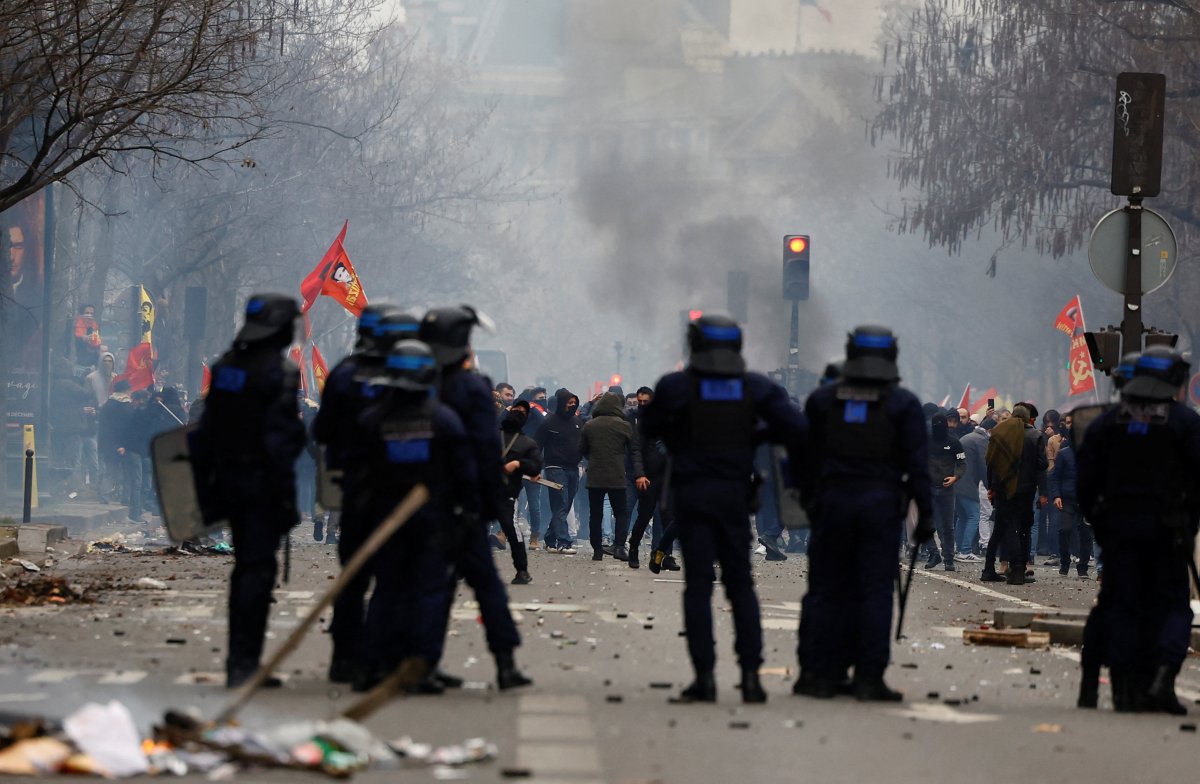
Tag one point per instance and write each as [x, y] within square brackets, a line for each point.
[1157, 338]
[795, 266]
[1105, 349]
[615, 381]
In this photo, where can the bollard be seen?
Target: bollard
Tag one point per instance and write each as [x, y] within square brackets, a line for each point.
[28, 485]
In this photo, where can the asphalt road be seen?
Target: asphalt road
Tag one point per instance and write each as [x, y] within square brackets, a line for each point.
[601, 640]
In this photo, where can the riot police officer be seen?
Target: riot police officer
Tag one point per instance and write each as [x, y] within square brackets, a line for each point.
[707, 416]
[448, 333]
[410, 438]
[1139, 486]
[337, 428]
[868, 457]
[246, 447]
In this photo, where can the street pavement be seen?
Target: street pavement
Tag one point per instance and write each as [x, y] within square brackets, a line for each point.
[604, 646]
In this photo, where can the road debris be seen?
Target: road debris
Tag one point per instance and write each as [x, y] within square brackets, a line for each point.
[1008, 638]
[1053, 729]
[42, 591]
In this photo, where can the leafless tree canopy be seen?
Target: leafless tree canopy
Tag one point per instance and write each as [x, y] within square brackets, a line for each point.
[999, 113]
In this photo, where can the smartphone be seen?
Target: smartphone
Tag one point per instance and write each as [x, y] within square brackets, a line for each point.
[992, 403]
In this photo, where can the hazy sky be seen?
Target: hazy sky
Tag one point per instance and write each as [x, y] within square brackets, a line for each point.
[854, 28]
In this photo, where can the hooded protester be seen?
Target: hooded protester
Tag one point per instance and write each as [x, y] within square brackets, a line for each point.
[558, 436]
[947, 464]
[100, 380]
[520, 457]
[605, 441]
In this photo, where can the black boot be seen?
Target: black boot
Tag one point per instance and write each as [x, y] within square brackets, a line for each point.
[656, 561]
[816, 686]
[522, 578]
[342, 670]
[633, 557]
[1089, 688]
[871, 688]
[447, 680]
[1161, 695]
[752, 689]
[507, 674]
[318, 529]
[1125, 694]
[703, 689]
[670, 564]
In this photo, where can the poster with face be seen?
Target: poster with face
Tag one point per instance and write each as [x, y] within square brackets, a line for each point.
[21, 247]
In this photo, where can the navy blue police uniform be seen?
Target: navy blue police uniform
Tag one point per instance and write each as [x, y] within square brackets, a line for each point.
[706, 416]
[1139, 486]
[447, 331]
[246, 447]
[868, 457]
[410, 439]
[337, 428]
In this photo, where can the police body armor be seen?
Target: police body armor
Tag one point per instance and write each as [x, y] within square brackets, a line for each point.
[409, 457]
[858, 427]
[1144, 471]
[720, 414]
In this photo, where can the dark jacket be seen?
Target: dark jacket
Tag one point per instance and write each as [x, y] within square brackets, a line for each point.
[946, 458]
[559, 433]
[1033, 462]
[1061, 479]
[974, 446]
[605, 441]
[114, 424]
[520, 447]
[653, 451]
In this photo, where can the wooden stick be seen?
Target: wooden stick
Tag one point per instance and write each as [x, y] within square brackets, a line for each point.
[416, 498]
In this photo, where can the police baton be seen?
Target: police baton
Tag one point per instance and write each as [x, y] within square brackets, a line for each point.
[912, 565]
[416, 498]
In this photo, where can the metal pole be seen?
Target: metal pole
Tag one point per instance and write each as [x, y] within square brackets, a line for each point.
[793, 362]
[47, 301]
[26, 513]
[1131, 321]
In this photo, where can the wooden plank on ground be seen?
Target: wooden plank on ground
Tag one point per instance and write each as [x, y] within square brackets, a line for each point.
[1008, 638]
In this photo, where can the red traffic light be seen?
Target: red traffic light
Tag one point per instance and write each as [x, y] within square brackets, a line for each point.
[798, 244]
[615, 381]
[694, 314]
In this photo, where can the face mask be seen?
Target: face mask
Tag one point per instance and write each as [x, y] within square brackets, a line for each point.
[514, 421]
[570, 409]
[939, 429]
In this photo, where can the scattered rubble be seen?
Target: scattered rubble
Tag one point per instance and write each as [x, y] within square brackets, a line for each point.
[42, 591]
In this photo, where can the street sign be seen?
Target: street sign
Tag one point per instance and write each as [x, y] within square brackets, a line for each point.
[1138, 134]
[1194, 389]
[1108, 250]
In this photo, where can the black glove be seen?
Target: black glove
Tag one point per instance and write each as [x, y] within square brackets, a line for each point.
[924, 530]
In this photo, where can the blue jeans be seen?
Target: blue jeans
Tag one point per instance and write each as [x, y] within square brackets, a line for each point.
[560, 503]
[533, 503]
[966, 526]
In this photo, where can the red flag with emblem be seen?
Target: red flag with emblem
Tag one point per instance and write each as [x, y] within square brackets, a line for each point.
[1081, 375]
[320, 369]
[139, 367]
[334, 277]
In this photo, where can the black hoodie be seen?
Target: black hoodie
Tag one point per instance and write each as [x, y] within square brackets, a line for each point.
[558, 435]
[520, 447]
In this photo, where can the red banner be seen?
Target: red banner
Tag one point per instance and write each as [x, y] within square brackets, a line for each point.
[320, 369]
[205, 379]
[139, 367]
[334, 277]
[1081, 375]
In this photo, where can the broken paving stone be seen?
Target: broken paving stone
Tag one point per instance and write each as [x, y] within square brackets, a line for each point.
[1187, 727]
[614, 698]
[909, 666]
[739, 725]
[176, 641]
[516, 773]
[953, 702]
[933, 695]
[660, 685]
[1034, 671]
[647, 626]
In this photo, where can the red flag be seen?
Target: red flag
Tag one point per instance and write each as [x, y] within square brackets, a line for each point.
[205, 378]
[981, 403]
[1082, 376]
[334, 277]
[320, 369]
[139, 367]
[822, 11]
[965, 401]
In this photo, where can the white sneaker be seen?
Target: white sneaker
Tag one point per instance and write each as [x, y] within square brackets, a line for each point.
[564, 550]
[760, 550]
[967, 558]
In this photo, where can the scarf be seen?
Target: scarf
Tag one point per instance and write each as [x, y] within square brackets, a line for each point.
[1004, 453]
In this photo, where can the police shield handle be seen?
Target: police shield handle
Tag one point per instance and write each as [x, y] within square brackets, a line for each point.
[416, 498]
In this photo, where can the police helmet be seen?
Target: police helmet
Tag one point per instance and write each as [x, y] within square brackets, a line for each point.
[1124, 371]
[367, 321]
[871, 355]
[409, 366]
[388, 330]
[448, 333]
[1158, 374]
[715, 345]
[267, 315]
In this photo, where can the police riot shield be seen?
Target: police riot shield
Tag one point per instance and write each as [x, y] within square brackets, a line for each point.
[329, 484]
[791, 514]
[176, 484]
[1081, 419]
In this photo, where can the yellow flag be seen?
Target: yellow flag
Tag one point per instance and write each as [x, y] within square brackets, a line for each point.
[146, 316]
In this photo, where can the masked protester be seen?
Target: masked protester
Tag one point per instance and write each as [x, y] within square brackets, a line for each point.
[1139, 487]
[245, 450]
[559, 437]
[520, 458]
